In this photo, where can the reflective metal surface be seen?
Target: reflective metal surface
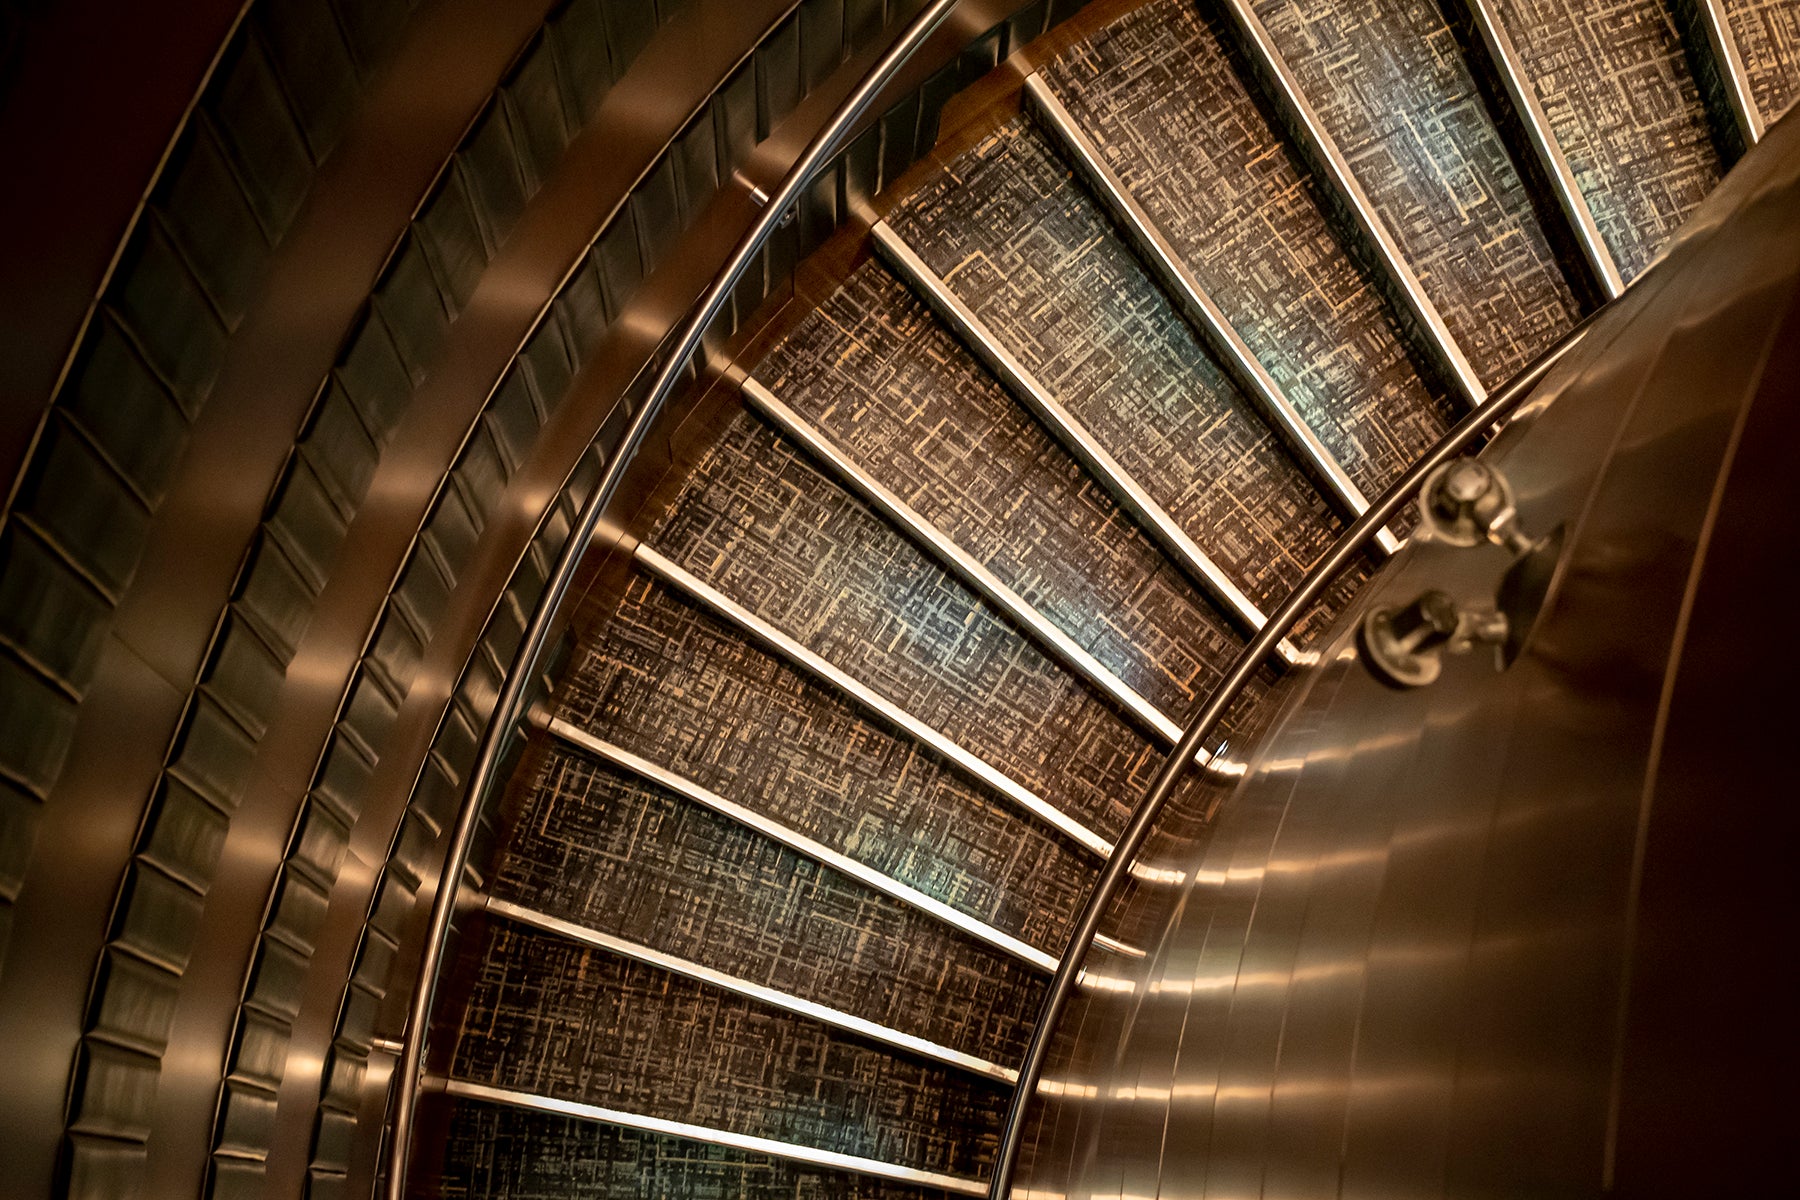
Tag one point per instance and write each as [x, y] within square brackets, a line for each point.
[1551, 160]
[1461, 940]
[1081, 443]
[1200, 309]
[1324, 150]
[712, 1137]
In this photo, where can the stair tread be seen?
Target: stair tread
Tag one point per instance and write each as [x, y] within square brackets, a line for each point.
[1615, 84]
[1157, 94]
[1390, 84]
[551, 1018]
[873, 371]
[1767, 33]
[1020, 242]
[759, 522]
[670, 682]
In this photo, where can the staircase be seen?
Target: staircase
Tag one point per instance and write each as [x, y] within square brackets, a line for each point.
[838, 753]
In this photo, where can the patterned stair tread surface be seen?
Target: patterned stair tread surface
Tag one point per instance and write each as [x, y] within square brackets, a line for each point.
[613, 853]
[1767, 33]
[1156, 92]
[1019, 240]
[550, 1018]
[757, 521]
[672, 684]
[1391, 86]
[1624, 106]
[499, 1153]
[896, 392]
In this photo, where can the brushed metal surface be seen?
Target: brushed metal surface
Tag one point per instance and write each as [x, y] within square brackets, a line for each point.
[1445, 940]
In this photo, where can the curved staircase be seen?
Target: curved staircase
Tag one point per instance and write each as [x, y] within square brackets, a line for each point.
[850, 723]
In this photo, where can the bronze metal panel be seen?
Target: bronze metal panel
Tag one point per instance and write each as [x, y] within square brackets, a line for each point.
[78, 81]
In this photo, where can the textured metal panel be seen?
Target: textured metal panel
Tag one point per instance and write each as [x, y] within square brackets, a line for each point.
[1767, 36]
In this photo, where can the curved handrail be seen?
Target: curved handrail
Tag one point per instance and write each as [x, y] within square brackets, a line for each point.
[1348, 547]
[509, 705]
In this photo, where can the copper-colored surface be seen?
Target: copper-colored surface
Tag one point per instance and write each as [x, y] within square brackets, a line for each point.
[81, 88]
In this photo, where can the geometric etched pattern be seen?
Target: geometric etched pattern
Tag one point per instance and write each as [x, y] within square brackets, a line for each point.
[878, 375]
[1020, 241]
[1615, 84]
[1389, 82]
[1158, 96]
[605, 850]
[671, 683]
[759, 522]
[1767, 33]
[499, 1153]
[551, 1018]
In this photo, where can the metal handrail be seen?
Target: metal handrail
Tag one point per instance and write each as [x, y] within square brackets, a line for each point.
[1497, 407]
[509, 705]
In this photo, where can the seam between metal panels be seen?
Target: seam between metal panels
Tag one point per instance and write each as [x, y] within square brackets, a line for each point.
[1202, 312]
[466, 1090]
[773, 997]
[1519, 89]
[1340, 177]
[1080, 442]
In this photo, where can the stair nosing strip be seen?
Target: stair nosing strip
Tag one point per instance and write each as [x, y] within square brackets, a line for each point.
[805, 846]
[1344, 180]
[463, 1089]
[1201, 310]
[1072, 433]
[773, 997]
[815, 664]
[977, 576]
[1722, 44]
[1505, 59]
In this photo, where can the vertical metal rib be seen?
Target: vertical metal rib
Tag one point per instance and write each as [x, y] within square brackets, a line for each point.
[1080, 442]
[961, 564]
[1723, 46]
[887, 710]
[800, 844]
[1324, 151]
[790, 1151]
[773, 997]
[1504, 57]
[1202, 313]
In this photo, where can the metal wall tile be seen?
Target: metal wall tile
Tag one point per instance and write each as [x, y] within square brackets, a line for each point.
[47, 611]
[578, 38]
[372, 28]
[410, 300]
[306, 522]
[489, 161]
[277, 980]
[309, 56]
[275, 595]
[374, 375]
[260, 1048]
[343, 780]
[340, 450]
[185, 834]
[117, 400]
[297, 911]
[260, 137]
[158, 916]
[534, 105]
[213, 753]
[113, 1092]
[156, 297]
[243, 675]
[136, 1001]
[452, 240]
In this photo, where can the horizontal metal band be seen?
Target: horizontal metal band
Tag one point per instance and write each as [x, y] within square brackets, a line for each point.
[1202, 312]
[1356, 201]
[1745, 112]
[790, 1151]
[960, 563]
[1548, 151]
[800, 844]
[773, 997]
[886, 709]
[1080, 442]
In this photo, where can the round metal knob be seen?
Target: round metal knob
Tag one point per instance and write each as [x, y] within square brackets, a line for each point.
[1400, 646]
[1463, 500]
